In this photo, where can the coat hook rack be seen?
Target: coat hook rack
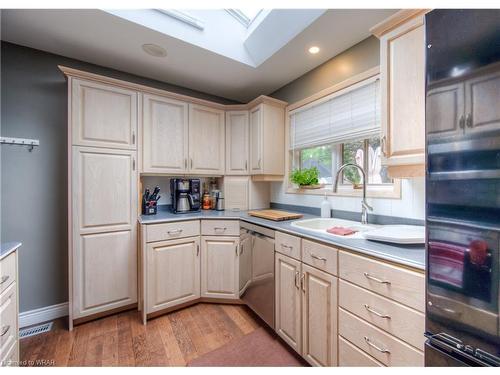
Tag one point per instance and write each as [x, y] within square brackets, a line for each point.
[31, 143]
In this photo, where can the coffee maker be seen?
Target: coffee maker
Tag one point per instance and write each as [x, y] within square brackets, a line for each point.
[185, 194]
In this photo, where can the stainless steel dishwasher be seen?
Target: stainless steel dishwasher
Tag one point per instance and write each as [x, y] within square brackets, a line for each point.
[257, 270]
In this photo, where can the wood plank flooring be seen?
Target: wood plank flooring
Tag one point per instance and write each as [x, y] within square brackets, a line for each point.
[122, 340]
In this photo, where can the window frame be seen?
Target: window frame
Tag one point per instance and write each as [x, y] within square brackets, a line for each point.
[292, 157]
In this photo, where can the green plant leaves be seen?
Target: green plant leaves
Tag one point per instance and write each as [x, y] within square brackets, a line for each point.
[306, 176]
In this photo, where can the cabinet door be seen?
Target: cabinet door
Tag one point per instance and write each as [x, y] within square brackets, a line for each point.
[237, 143]
[319, 317]
[206, 140]
[245, 261]
[450, 122]
[402, 71]
[104, 185]
[288, 301]
[256, 125]
[173, 273]
[482, 109]
[103, 115]
[104, 272]
[219, 267]
[165, 135]
[236, 190]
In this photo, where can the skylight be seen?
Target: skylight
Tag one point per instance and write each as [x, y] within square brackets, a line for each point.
[244, 15]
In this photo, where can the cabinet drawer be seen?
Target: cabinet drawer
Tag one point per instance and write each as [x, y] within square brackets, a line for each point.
[398, 320]
[351, 356]
[380, 345]
[7, 271]
[288, 245]
[168, 231]
[220, 227]
[8, 319]
[394, 282]
[320, 256]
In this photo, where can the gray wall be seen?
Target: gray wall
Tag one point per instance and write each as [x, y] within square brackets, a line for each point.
[33, 184]
[355, 60]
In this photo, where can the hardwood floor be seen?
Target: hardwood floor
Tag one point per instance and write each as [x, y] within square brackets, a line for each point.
[122, 340]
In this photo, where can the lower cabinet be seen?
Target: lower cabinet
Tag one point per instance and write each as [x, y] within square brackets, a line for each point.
[306, 310]
[104, 272]
[288, 300]
[219, 267]
[319, 317]
[173, 273]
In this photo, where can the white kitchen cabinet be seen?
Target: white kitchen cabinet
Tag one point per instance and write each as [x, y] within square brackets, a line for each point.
[267, 141]
[104, 184]
[219, 267]
[319, 317]
[173, 273]
[164, 135]
[104, 272]
[237, 143]
[103, 115]
[445, 123]
[288, 301]
[104, 238]
[236, 192]
[206, 140]
[245, 270]
[482, 109]
[402, 82]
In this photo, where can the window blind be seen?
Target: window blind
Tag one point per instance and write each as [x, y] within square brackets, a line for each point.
[346, 115]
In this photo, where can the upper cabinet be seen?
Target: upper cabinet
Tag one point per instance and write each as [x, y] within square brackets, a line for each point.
[267, 141]
[165, 135]
[103, 115]
[237, 143]
[402, 78]
[206, 140]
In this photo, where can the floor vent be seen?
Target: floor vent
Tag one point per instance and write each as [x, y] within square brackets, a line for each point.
[35, 330]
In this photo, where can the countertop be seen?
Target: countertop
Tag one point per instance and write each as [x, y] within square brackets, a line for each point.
[408, 255]
[8, 247]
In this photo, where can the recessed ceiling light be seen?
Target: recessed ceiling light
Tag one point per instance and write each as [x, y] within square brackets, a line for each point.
[314, 50]
[154, 50]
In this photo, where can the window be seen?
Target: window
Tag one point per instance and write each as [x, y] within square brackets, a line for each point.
[342, 127]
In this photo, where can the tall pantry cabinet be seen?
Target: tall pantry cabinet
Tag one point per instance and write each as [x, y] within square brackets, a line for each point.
[102, 194]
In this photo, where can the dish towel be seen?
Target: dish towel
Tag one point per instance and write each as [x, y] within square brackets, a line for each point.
[341, 231]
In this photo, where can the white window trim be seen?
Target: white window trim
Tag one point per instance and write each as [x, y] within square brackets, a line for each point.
[183, 17]
[375, 191]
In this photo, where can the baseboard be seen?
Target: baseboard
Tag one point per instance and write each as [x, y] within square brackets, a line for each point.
[43, 314]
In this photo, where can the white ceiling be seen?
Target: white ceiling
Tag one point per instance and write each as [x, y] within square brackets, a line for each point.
[101, 38]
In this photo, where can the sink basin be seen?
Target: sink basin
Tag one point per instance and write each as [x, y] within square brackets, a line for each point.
[320, 225]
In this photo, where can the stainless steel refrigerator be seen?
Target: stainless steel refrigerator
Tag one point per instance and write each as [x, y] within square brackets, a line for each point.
[463, 187]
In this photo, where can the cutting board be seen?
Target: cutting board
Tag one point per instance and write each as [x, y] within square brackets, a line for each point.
[275, 215]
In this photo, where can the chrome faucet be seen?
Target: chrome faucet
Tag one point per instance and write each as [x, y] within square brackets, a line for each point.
[364, 205]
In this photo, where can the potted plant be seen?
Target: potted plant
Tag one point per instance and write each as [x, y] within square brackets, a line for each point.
[307, 178]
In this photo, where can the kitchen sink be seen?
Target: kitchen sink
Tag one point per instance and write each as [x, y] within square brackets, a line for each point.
[320, 225]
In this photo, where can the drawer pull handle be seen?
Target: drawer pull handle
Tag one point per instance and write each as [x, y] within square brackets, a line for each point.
[369, 309]
[5, 329]
[368, 276]
[381, 350]
[4, 279]
[297, 279]
[220, 228]
[318, 257]
[177, 231]
[286, 246]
